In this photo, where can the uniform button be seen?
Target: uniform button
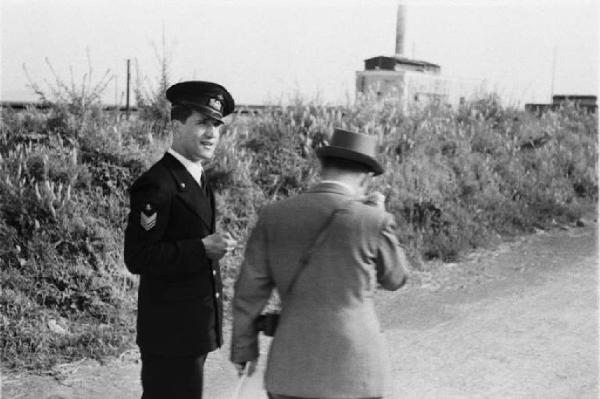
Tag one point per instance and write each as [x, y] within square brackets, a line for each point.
[217, 295]
[214, 272]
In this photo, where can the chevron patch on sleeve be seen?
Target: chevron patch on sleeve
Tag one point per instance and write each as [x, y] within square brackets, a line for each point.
[148, 221]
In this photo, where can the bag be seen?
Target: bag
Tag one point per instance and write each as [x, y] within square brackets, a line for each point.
[267, 322]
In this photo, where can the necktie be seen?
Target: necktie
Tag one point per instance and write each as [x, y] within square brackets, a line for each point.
[203, 184]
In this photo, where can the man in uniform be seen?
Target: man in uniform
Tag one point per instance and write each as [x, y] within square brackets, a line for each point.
[171, 242]
[325, 251]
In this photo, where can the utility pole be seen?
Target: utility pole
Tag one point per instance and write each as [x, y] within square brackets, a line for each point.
[128, 83]
[553, 73]
[116, 103]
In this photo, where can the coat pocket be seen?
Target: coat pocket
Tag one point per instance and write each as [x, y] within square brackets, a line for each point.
[180, 293]
[174, 291]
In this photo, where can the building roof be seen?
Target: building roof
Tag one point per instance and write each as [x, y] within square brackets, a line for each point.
[404, 60]
[591, 99]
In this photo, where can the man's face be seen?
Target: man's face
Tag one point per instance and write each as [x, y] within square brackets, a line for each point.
[199, 136]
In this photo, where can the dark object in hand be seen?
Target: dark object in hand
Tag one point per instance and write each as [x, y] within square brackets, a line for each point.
[267, 323]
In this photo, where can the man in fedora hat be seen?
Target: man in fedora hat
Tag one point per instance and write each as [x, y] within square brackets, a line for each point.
[171, 242]
[324, 251]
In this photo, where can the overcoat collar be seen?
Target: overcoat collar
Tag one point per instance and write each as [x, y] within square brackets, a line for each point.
[331, 188]
[188, 190]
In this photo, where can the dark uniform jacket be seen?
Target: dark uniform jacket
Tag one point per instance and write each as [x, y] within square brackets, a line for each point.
[180, 308]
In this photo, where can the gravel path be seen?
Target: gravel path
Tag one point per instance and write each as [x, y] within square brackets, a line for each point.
[525, 326]
[519, 321]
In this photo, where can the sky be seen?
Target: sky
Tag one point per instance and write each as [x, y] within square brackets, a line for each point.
[269, 51]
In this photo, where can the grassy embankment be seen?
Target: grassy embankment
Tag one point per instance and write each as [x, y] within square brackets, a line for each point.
[454, 179]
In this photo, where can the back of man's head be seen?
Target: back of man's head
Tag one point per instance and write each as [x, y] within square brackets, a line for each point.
[345, 166]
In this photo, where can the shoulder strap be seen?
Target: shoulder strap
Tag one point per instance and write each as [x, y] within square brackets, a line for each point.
[304, 260]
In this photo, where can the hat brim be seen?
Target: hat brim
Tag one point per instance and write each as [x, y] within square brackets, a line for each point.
[204, 110]
[344, 153]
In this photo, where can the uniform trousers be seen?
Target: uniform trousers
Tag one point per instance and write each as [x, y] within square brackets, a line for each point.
[275, 396]
[169, 377]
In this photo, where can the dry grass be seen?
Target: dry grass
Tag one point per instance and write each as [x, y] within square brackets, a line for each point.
[454, 178]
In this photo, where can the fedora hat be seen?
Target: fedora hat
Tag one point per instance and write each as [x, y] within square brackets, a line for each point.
[352, 146]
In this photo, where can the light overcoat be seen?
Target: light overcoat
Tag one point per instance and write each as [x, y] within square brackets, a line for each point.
[329, 343]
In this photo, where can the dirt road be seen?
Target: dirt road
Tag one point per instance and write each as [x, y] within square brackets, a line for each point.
[519, 321]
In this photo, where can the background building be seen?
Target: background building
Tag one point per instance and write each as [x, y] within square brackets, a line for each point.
[411, 81]
[586, 102]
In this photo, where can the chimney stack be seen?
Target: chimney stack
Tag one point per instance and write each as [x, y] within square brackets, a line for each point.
[400, 31]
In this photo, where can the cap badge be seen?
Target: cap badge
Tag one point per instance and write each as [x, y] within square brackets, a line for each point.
[215, 104]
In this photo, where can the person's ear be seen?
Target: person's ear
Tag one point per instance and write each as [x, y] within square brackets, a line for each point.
[365, 179]
[175, 125]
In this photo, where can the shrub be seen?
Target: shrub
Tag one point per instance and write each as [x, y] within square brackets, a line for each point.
[453, 178]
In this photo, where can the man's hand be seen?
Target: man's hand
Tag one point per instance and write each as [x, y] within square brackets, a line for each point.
[375, 199]
[246, 367]
[218, 244]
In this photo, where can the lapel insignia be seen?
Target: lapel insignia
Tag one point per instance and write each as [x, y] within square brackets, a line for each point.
[147, 219]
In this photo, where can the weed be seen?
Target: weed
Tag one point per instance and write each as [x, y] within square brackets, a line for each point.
[453, 178]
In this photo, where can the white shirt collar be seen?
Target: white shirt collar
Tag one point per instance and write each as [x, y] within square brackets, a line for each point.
[342, 184]
[194, 168]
